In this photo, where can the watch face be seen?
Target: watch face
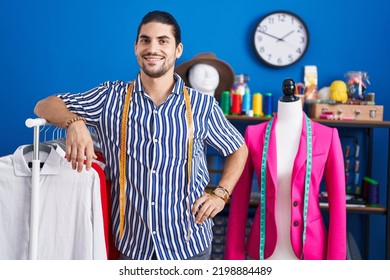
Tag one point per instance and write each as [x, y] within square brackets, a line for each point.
[219, 192]
[281, 39]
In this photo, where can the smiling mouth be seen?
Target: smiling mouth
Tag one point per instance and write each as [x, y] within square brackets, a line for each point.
[153, 58]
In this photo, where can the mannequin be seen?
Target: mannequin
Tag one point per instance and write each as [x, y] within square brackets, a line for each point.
[288, 126]
[290, 222]
[204, 78]
[207, 74]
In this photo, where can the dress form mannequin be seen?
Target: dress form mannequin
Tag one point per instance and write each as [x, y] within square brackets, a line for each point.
[204, 78]
[285, 185]
[288, 131]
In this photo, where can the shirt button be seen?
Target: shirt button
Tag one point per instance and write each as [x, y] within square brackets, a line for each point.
[295, 203]
[153, 171]
[155, 111]
[156, 140]
[153, 203]
[154, 232]
[296, 224]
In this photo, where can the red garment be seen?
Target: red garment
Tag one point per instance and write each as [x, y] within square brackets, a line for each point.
[112, 251]
[105, 204]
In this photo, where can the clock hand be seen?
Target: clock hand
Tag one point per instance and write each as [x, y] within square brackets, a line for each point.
[277, 38]
[282, 39]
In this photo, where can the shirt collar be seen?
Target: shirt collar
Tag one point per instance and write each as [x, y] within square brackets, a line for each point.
[177, 89]
[50, 165]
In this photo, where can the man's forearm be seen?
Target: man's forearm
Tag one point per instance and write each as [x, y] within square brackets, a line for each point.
[54, 110]
[234, 165]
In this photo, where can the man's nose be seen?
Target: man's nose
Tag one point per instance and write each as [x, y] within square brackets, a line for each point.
[153, 46]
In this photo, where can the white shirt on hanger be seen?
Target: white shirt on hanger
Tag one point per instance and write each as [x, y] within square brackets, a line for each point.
[71, 221]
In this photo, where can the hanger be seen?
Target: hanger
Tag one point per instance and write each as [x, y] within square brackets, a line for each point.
[42, 148]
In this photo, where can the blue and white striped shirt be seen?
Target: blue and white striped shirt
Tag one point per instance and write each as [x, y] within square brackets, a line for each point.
[156, 215]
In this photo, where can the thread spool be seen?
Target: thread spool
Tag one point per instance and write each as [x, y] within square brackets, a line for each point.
[373, 193]
[236, 104]
[357, 191]
[347, 162]
[357, 164]
[370, 97]
[357, 151]
[246, 103]
[257, 104]
[356, 181]
[346, 177]
[268, 105]
[365, 184]
[347, 149]
[225, 102]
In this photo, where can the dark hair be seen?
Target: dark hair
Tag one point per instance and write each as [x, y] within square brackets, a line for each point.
[162, 17]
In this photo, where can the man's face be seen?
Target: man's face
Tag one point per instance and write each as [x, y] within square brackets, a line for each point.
[156, 49]
[204, 78]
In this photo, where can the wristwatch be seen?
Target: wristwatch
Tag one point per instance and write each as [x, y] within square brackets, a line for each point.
[221, 192]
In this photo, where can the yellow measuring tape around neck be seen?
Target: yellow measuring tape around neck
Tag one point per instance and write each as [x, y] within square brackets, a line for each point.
[190, 134]
[123, 167]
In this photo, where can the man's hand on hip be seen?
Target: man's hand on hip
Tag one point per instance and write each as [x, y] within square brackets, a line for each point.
[207, 206]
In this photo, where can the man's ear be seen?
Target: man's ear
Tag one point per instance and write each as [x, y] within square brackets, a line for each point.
[179, 50]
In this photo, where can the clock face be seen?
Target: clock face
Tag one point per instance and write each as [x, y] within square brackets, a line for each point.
[281, 38]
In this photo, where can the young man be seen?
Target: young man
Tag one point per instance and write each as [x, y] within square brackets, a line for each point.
[153, 132]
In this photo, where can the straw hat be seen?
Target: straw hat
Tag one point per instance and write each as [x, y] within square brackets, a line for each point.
[226, 74]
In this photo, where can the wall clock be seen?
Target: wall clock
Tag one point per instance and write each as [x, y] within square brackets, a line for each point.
[281, 38]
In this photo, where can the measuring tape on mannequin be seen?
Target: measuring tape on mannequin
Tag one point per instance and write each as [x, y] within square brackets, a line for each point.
[263, 173]
[123, 161]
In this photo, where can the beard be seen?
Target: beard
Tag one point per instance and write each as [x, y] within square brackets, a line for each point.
[155, 74]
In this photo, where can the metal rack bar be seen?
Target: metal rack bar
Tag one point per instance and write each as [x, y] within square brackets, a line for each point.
[34, 214]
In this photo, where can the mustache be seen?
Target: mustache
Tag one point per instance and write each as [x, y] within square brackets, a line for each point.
[150, 53]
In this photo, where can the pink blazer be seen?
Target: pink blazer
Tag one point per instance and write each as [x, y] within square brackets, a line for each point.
[321, 243]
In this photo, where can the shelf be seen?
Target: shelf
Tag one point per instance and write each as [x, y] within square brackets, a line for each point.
[360, 124]
[246, 118]
[361, 209]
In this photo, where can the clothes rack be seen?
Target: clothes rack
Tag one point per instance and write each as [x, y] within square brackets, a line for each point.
[34, 214]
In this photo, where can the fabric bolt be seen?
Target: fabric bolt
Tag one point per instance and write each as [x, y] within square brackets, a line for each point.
[327, 162]
[70, 209]
[156, 217]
